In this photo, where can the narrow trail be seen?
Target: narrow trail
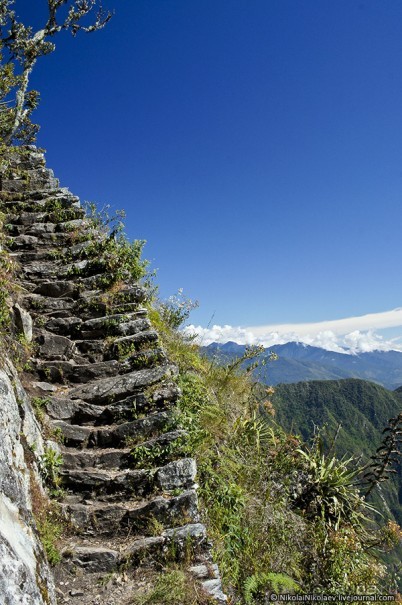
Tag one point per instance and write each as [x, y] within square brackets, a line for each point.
[108, 389]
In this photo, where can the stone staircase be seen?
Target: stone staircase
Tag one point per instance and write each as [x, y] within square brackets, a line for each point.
[109, 390]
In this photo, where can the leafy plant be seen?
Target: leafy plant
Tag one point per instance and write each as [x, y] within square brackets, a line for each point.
[38, 405]
[387, 455]
[329, 489]
[257, 586]
[50, 463]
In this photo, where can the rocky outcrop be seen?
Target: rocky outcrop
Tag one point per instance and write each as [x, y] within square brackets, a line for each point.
[108, 391]
[25, 577]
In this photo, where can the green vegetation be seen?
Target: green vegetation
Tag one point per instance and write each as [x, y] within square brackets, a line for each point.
[354, 410]
[49, 521]
[39, 405]
[278, 510]
[50, 463]
[173, 587]
[255, 587]
[111, 251]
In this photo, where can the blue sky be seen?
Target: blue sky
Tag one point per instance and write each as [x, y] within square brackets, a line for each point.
[255, 144]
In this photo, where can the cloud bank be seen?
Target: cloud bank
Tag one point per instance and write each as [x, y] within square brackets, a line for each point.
[348, 335]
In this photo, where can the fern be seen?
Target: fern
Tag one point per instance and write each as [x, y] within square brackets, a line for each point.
[259, 583]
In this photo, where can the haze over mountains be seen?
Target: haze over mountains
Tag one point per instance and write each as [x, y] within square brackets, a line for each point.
[299, 362]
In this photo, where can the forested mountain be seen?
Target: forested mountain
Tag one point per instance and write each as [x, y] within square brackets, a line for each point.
[359, 408]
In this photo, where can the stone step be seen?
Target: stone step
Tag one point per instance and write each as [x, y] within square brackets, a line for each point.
[92, 557]
[162, 398]
[57, 289]
[25, 218]
[43, 226]
[60, 362]
[36, 229]
[40, 178]
[49, 269]
[111, 390]
[26, 257]
[89, 458]
[146, 358]
[132, 294]
[109, 485]
[37, 201]
[63, 372]
[45, 215]
[125, 346]
[76, 411]
[34, 242]
[52, 347]
[151, 453]
[130, 518]
[158, 450]
[43, 270]
[113, 436]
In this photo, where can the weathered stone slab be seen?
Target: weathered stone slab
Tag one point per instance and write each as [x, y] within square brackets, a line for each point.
[55, 289]
[52, 346]
[95, 558]
[23, 322]
[137, 429]
[176, 474]
[108, 390]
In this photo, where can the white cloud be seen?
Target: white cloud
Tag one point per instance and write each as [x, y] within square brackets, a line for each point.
[349, 335]
[371, 321]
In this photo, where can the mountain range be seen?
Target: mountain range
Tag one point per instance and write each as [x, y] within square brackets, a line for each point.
[299, 362]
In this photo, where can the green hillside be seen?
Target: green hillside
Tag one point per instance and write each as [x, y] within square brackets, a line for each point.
[361, 408]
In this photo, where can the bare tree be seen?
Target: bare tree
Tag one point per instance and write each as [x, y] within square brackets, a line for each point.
[21, 47]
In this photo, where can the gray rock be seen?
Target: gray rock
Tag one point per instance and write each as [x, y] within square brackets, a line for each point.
[201, 572]
[24, 241]
[56, 289]
[52, 346]
[95, 559]
[93, 371]
[61, 409]
[22, 561]
[194, 531]
[73, 435]
[179, 473]
[23, 322]
[109, 389]
[64, 325]
[214, 588]
[73, 225]
[44, 386]
[140, 549]
[38, 229]
[139, 429]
